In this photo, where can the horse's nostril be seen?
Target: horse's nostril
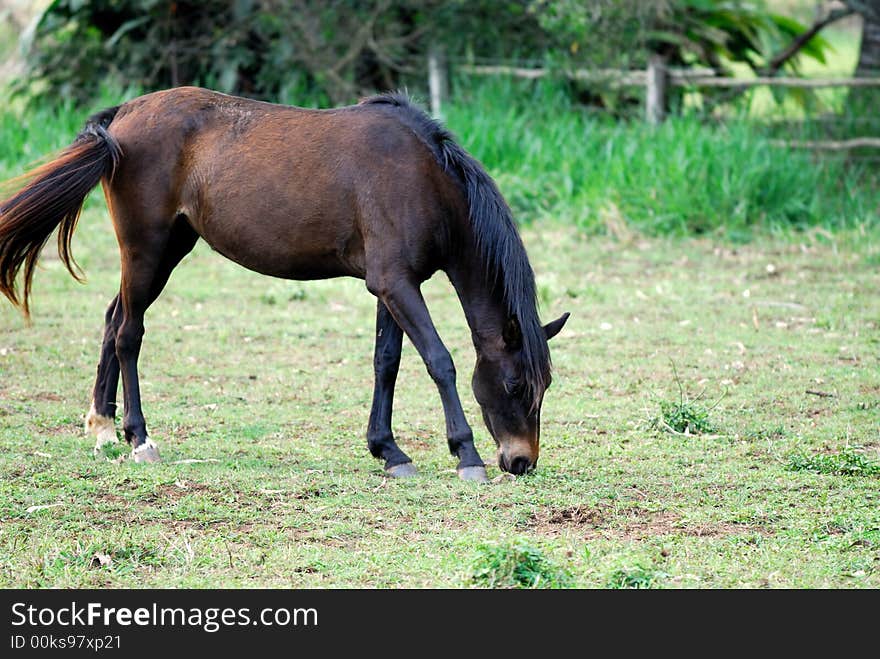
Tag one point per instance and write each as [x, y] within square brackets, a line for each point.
[519, 465]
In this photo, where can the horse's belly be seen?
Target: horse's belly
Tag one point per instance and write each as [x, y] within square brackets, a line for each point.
[291, 253]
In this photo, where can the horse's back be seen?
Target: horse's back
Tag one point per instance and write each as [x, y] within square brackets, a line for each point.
[286, 191]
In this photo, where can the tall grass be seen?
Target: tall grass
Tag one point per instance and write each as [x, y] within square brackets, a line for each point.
[554, 160]
[687, 176]
[29, 133]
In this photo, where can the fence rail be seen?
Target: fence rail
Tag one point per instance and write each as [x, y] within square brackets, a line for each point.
[676, 76]
[831, 145]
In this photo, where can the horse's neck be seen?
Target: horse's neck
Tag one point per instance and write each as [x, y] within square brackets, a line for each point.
[483, 307]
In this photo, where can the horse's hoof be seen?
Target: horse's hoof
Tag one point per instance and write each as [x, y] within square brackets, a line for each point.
[146, 452]
[477, 474]
[403, 470]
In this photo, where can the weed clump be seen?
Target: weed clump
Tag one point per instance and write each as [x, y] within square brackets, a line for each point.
[635, 578]
[516, 565]
[845, 463]
[756, 434]
[684, 417]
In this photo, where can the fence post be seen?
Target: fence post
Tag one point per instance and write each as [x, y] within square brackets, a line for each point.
[437, 83]
[655, 94]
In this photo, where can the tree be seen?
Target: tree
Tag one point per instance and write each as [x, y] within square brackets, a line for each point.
[869, 53]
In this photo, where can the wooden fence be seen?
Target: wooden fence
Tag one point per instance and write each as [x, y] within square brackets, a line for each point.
[656, 79]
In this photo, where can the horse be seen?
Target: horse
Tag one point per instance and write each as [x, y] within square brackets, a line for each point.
[378, 191]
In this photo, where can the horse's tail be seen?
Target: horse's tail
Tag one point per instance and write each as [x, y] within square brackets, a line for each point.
[53, 197]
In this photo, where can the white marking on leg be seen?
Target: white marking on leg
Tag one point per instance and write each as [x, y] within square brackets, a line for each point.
[102, 427]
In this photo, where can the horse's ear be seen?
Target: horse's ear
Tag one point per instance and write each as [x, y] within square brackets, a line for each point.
[553, 328]
[512, 334]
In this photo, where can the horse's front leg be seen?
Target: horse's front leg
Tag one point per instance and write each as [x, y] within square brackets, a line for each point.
[386, 362]
[404, 300]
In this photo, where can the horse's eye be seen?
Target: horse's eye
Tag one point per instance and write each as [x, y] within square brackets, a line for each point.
[513, 388]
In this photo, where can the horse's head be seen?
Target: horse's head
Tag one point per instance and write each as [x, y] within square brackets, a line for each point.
[510, 399]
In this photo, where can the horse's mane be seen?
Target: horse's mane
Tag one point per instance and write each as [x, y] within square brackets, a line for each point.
[498, 242]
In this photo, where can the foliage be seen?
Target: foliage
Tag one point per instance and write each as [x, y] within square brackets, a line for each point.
[707, 33]
[684, 417]
[515, 565]
[331, 52]
[312, 52]
[711, 33]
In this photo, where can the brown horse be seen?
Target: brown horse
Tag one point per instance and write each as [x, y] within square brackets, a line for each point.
[377, 191]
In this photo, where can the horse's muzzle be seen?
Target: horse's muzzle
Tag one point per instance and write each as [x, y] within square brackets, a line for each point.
[517, 466]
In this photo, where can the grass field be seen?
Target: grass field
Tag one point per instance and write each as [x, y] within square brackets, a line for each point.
[269, 382]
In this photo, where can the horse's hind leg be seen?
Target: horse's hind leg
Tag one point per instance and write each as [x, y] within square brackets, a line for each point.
[100, 418]
[156, 270]
[386, 361]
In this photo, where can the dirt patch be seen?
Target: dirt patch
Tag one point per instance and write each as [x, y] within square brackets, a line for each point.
[46, 396]
[723, 530]
[575, 516]
[627, 524]
[638, 524]
[64, 429]
[162, 493]
[176, 491]
[19, 470]
[315, 492]
[416, 442]
[581, 520]
[110, 497]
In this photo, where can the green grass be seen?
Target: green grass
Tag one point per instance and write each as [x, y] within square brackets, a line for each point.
[274, 399]
[267, 385]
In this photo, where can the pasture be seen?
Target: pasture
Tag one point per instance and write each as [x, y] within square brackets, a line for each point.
[266, 385]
